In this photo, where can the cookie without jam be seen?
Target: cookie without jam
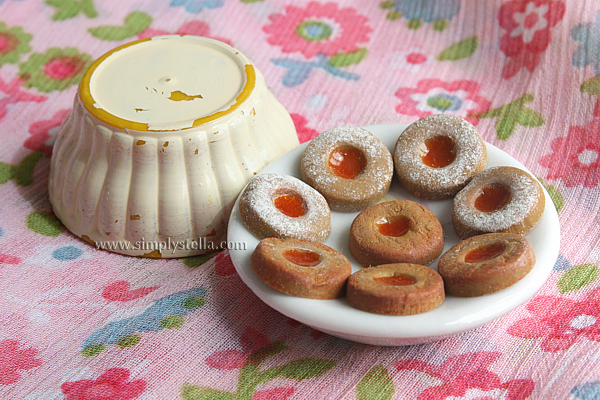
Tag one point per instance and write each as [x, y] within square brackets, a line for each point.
[486, 264]
[395, 289]
[301, 268]
[421, 243]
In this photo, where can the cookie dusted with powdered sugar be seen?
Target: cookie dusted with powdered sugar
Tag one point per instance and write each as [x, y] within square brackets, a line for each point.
[275, 205]
[349, 166]
[438, 155]
[499, 199]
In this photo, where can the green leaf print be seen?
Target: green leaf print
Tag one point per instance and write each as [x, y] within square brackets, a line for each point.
[196, 261]
[16, 43]
[577, 277]
[191, 392]
[56, 69]
[376, 384]
[346, 59]
[591, 86]
[251, 376]
[66, 9]
[512, 114]
[22, 173]
[528, 117]
[555, 195]
[44, 223]
[305, 368]
[439, 25]
[134, 23]
[459, 50]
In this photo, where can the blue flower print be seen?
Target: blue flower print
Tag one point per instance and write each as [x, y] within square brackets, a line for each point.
[195, 6]
[588, 37]
[299, 71]
[2, 1]
[438, 12]
[587, 391]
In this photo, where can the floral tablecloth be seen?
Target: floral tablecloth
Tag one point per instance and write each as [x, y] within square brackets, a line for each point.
[78, 323]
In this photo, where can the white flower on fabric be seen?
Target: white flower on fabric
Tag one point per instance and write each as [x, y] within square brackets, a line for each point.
[480, 394]
[582, 321]
[587, 157]
[438, 101]
[530, 21]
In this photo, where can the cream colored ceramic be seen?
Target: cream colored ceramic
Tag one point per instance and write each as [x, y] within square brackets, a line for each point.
[163, 135]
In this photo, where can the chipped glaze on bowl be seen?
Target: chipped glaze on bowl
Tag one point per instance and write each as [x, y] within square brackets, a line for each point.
[163, 135]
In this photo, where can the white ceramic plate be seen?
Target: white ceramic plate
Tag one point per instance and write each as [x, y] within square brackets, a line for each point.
[453, 316]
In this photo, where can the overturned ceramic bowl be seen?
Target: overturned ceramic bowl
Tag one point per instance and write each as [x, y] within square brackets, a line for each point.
[163, 135]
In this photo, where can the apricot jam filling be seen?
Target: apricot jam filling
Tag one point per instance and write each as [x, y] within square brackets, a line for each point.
[303, 258]
[485, 253]
[290, 204]
[492, 198]
[395, 227]
[438, 151]
[396, 280]
[347, 162]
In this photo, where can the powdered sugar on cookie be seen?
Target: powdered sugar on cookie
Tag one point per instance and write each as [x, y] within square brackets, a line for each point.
[519, 214]
[348, 194]
[264, 219]
[438, 183]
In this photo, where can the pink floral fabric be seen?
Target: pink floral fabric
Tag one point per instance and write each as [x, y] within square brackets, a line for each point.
[80, 323]
[317, 29]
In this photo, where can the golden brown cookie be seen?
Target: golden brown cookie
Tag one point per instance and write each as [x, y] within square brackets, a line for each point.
[349, 166]
[438, 155]
[301, 268]
[499, 199]
[399, 231]
[395, 289]
[275, 205]
[485, 264]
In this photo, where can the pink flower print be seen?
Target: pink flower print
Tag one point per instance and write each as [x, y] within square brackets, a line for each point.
[63, 67]
[527, 24]
[121, 291]
[576, 158]
[251, 340]
[560, 322]
[279, 393]
[315, 334]
[223, 264]
[10, 93]
[318, 29]
[113, 384]
[43, 133]
[13, 359]
[304, 132]
[467, 376]
[411, 60]
[196, 28]
[7, 259]
[433, 96]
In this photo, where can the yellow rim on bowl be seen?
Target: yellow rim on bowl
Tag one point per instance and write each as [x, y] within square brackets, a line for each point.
[89, 102]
